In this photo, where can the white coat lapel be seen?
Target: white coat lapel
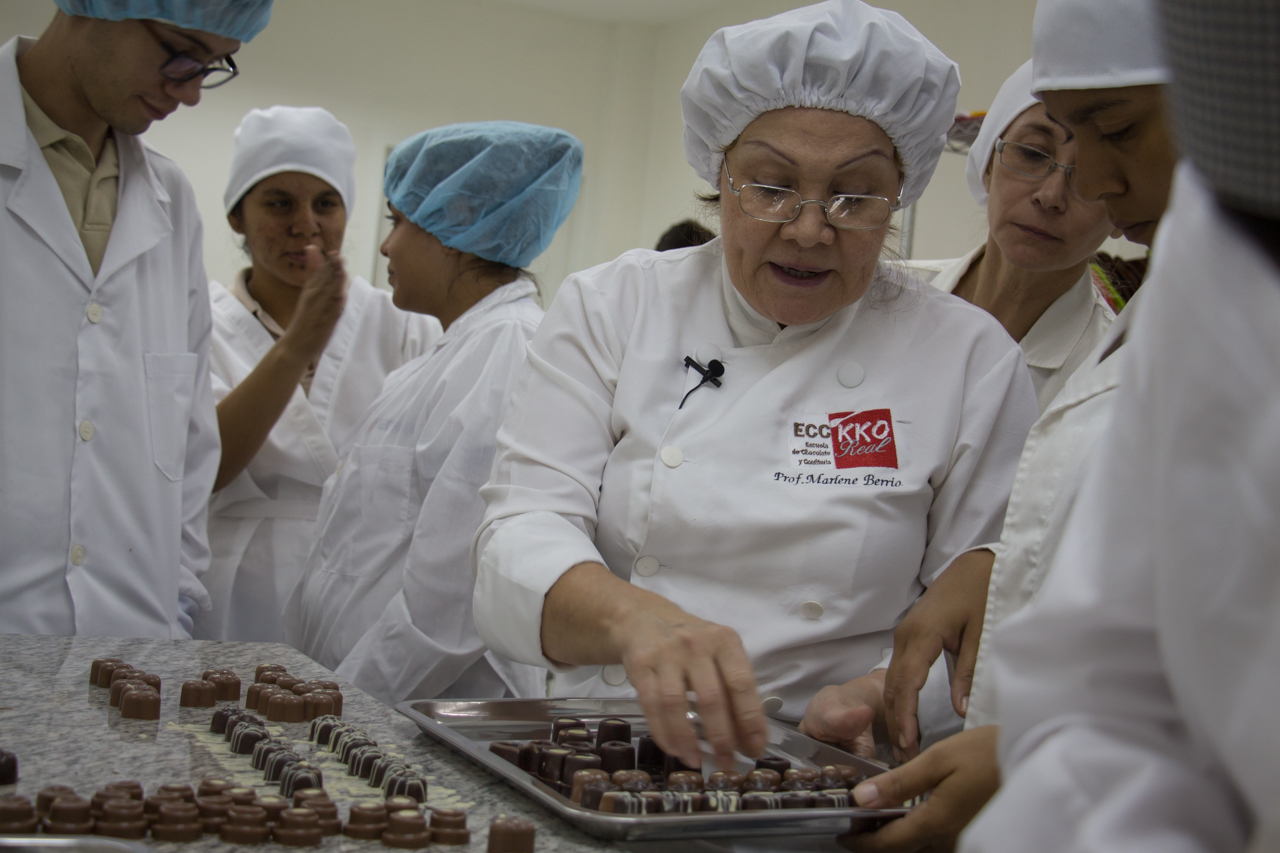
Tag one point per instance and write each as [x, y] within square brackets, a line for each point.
[142, 216]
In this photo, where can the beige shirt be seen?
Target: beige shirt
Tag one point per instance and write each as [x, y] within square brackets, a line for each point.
[88, 186]
[240, 290]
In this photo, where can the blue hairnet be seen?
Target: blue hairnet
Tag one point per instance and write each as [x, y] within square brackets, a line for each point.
[233, 19]
[496, 189]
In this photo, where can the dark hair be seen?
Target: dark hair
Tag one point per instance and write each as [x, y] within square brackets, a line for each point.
[684, 234]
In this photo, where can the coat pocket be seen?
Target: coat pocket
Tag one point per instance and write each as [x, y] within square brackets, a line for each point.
[171, 383]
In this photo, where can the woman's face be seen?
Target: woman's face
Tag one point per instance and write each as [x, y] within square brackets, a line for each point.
[805, 270]
[419, 267]
[1040, 224]
[282, 215]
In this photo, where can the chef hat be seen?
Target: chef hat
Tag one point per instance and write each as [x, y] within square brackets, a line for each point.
[496, 189]
[839, 55]
[1226, 96]
[291, 139]
[1096, 44]
[233, 19]
[1013, 99]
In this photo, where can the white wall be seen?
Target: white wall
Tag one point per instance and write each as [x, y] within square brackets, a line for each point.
[389, 68]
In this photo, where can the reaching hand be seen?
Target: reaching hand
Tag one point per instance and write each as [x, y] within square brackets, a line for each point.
[847, 714]
[319, 308]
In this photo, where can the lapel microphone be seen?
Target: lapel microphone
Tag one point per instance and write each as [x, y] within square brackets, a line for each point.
[711, 373]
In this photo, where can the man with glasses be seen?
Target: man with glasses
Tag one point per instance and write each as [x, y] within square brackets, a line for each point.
[108, 437]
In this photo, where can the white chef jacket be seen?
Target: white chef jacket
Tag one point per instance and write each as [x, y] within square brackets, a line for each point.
[1056, 344]
[1138, 690]
[108, 437]
[408, 489]
[260, 524]
[737, 507]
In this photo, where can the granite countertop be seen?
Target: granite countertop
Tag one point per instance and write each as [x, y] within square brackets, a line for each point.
[64, 732]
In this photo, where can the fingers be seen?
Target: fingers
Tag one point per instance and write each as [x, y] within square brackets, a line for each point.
[907, 674]
[750, 726]
[838, 715]
[908, 834]
[715, 711]
[907, 781]
[962, 677]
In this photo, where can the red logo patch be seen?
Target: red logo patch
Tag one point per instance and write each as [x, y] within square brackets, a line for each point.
[863, 439]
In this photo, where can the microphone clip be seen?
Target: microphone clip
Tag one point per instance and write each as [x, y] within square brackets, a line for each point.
[711, 373]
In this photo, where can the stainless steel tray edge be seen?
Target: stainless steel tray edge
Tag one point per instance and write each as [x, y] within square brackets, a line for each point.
[633, 827]
[72, 844]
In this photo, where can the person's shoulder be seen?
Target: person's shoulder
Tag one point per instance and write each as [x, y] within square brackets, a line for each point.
[167, 172]
[942, 313]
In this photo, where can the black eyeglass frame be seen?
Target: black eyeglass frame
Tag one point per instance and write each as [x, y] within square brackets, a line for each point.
[825, 205]
[203, 70]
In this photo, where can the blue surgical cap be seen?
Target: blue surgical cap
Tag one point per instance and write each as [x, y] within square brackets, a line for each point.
[233, 19]
[496, 189]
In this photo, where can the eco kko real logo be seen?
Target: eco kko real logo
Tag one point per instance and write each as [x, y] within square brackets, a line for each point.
[844, 440]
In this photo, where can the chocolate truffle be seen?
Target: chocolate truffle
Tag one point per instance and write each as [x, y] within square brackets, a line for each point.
[362, 760]
[762, 780]
[650, 757]
[530, 759]
[335, 695]
[384, 767]
[251, 695]
[242, 796]
[396, 804]
[322, 728]
[277, 764]
[327, 809]
[106, 667]
[198, 694]
[178, 822]
[17, 816]
[511, 835]
[406, 785]
[301, 796]
[726, 780]
[349, 746]
[48, 794]
[120, 673]
[581, 778]
[575, 733]
[626, 802]
[722, 801]
[94, 667]
[850, 774]
[264, 698]
[151, 805]
[773, 762]
[613, 729]
[551, 764]
[406, 830]
[140, 703]
[593, 791]
[298, 828]
[223, 713]
[285, 708]
[227, 686]
[122, 818]
[753, 800]
[131, 787]
[272, 805]
[623, 777]
[269, 676]
[318, 703]
[366, 821]
[236, 720]
[287, 682]
[326, 685]
[180, 789]
[617, 755]
[101, 797]
[681, 802]
[829, 778]
[213, 811]
[809, 774]
[264, 749]
[508, 750]
[685, 781]
[449, 827]
[8, 767]
[559, 724]
[267, 667]
[245, 825]
[246, 738]
[836, 798]
[798, 784]
[150, 679]
[118, 689]
[298, 776]
[69, 816]
[574, 763]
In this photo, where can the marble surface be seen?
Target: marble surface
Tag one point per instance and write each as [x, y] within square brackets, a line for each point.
[64, 732]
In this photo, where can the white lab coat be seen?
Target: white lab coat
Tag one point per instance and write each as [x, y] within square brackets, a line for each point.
[260, 524]
[1138, 691]
[1056, 344]
[733, 507]
[408, 490]
[108, 437]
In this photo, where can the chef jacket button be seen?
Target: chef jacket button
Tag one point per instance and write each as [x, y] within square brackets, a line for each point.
[811, 610]
[647, 567]
[772, 705]
[77, 555]
[614, 675]
[86, 430]
[94, 312]
[672, 456]
[707, 353]
[851, 374]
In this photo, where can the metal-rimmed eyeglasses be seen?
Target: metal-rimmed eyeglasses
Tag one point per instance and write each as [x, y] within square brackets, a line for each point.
[183, 68]
[1030, 162]
[775, 204]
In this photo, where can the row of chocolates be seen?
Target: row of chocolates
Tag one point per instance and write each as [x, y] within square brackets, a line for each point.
[134, 692]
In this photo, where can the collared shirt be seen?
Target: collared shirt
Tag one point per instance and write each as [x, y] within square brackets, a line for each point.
[240, 290]
[1059, 342]
[89, 186]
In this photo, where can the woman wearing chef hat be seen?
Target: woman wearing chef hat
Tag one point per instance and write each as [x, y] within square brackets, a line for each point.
[730, 469]
[298, 352]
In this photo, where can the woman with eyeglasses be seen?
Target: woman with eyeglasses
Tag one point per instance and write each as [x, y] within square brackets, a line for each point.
[1034, 273]
[730, 469]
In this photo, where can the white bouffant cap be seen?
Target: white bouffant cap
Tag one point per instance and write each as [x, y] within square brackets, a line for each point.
[291, 139]
[1096, 44]
[1013, 99]
[839, 55]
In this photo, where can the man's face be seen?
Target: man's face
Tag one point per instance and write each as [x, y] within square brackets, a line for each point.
[1125, 152]
[117, 69]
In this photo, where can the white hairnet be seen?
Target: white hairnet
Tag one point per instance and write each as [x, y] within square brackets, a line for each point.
[1096, 44]
[839, 55]
[291, 139]
[234, 19]
[1013, 99]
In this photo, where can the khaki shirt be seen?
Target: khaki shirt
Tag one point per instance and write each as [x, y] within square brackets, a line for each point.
[88, 186]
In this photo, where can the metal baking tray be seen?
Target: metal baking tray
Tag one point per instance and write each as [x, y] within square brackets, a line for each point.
[469, 727]
[66, 844]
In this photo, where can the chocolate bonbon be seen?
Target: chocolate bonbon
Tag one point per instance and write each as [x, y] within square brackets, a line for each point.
[726, 780]
[100, 798]
[511, 835]
[106, 667]
[49, 793]
[685, 781]
[272, 805]
[226, 685]
[593, 791]
[247, 737]
[298, 828]
[773, 762]
[122, 818]
[322, 728]
[213, 811]
[285, 707]
[366, 821]
[507, 750]
[69, 816]
[613, 729]
[617, 755]
[277, 763]
[96, 665]
[242, 796]
[130, 786]
[762, 780]
[397, 803]
[119, 687]
[8, 767]
[449, 827]
[267, 667]
[722, 801]
[178, 789]
[221, 716]
[246, 824]
[650, 757]
[406, 830]
[581, 778]
[140, 703]
[178, 822]
[319, 703]
[151, 805]
[406, 785]
[298, 776]
[327, 810]
[198, 694]
[559, 724]
[17, 816]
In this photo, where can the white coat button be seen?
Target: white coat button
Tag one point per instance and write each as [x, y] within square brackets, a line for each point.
[851, 374]
[94, 312]
[614, 675]
[672, 456]
[772, 705]
[647, 567]
[811, 610]
[77, 555]
[86, 430]
[707, 353]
